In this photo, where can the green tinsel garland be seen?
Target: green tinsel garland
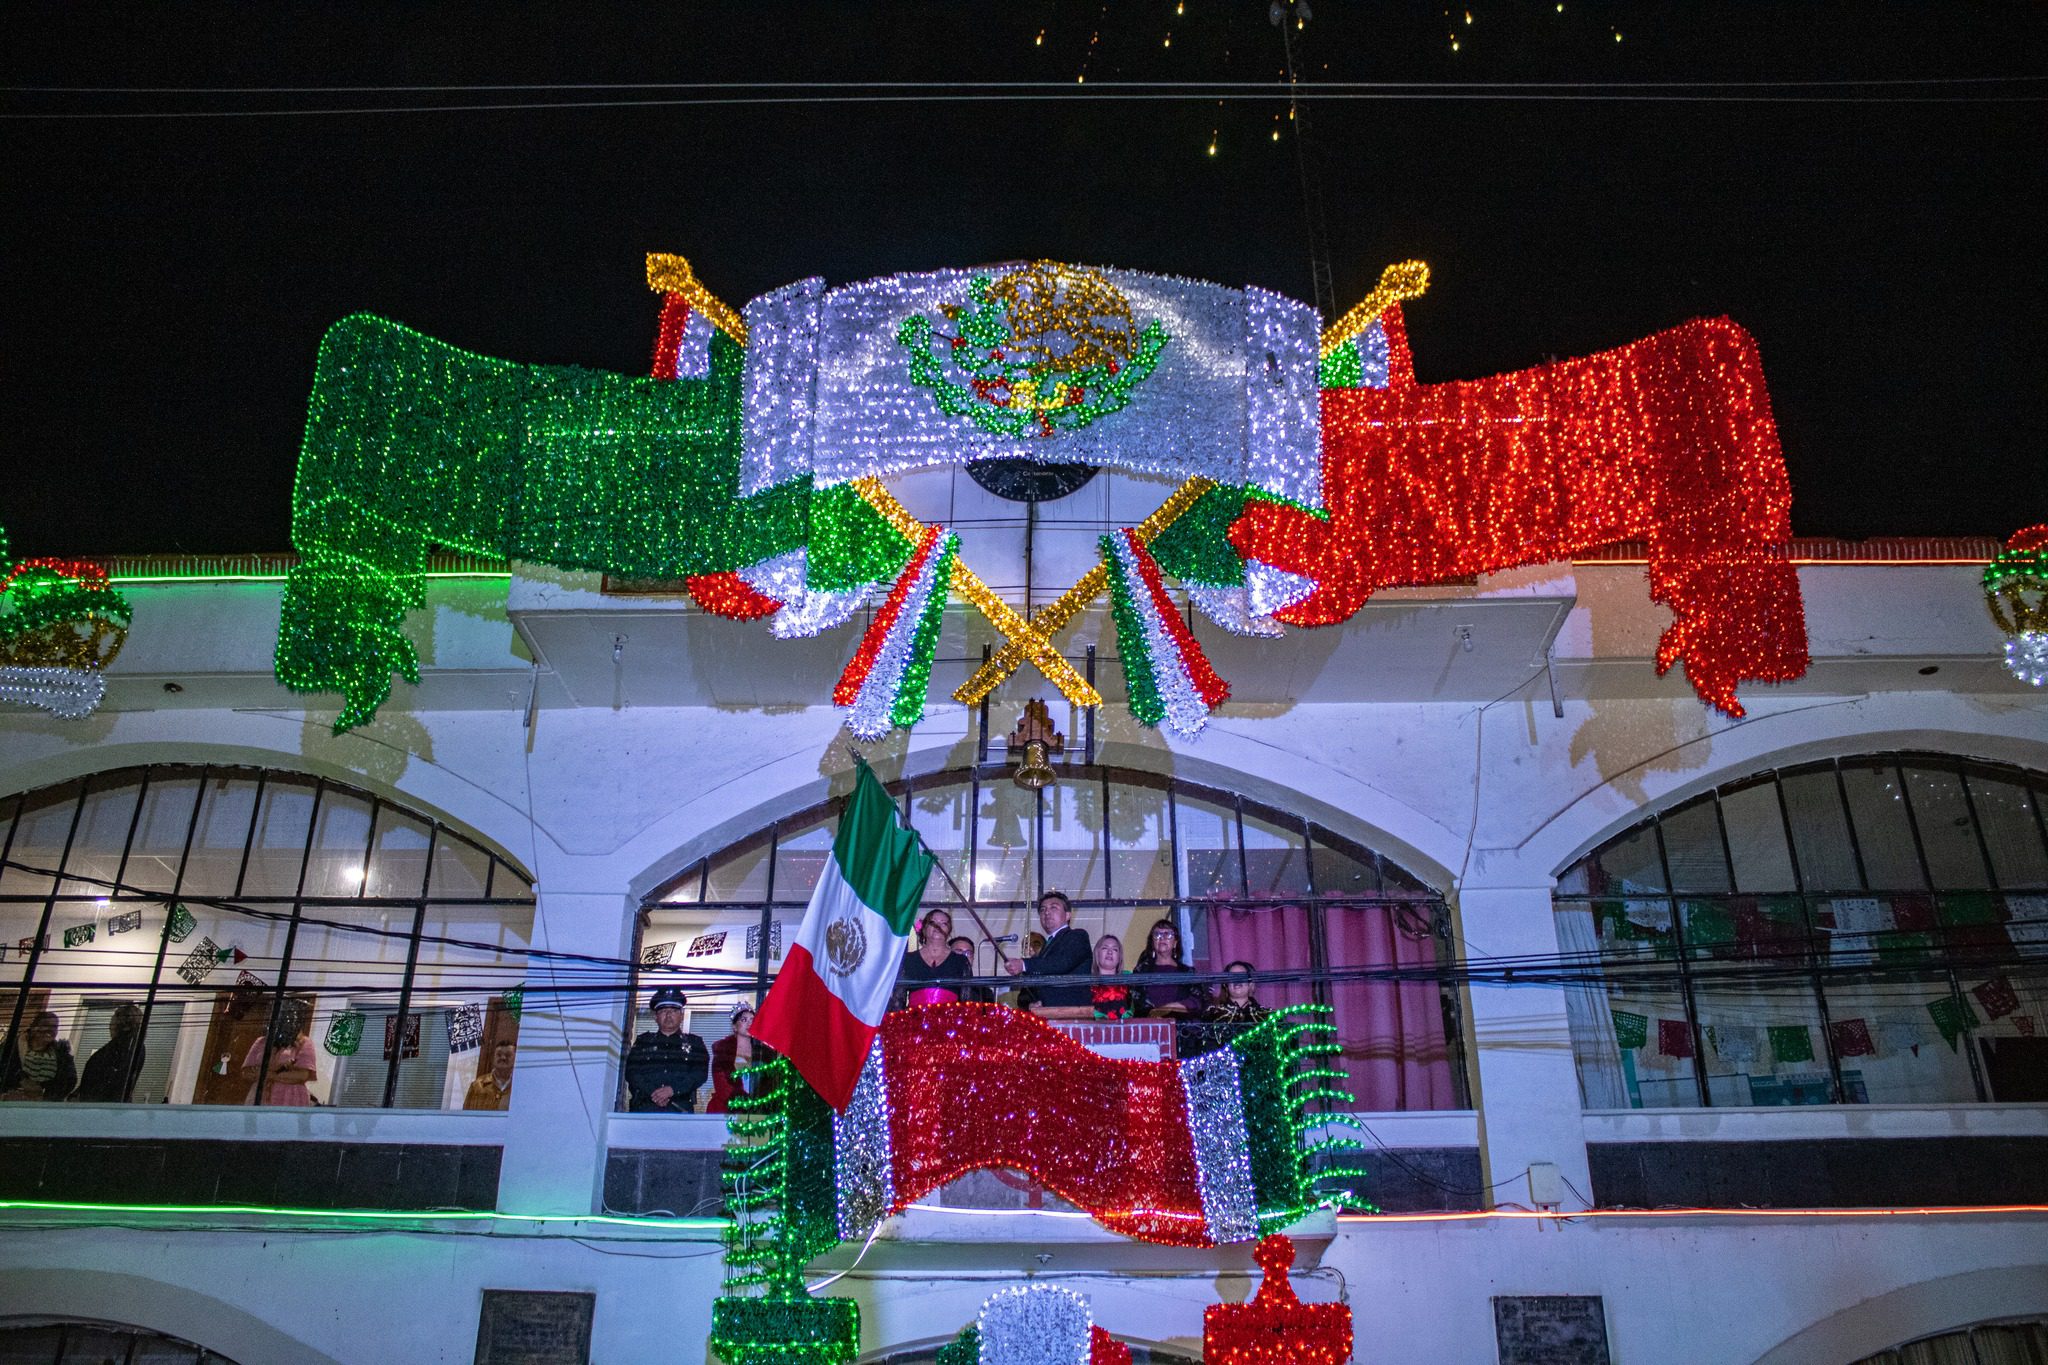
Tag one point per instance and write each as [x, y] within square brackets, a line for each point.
[1196, 548]
[411, 443]
[1131, 645]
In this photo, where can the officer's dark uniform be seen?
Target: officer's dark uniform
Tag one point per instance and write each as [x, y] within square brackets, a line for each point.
[677, 1060]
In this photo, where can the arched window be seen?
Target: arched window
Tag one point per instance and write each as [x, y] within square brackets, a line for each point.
[1861, 930]
[1239, 880]
[173, 933]
[2007, 1343]
[54, 1342]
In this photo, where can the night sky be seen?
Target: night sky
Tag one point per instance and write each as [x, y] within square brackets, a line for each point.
[168, 279]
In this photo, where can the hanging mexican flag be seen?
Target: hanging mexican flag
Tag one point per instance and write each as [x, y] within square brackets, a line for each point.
[834, 986]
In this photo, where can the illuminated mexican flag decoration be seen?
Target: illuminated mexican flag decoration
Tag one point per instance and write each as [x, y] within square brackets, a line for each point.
[833, 989]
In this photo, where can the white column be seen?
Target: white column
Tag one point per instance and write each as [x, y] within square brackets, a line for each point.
[1527, 1085]
[568, 1068]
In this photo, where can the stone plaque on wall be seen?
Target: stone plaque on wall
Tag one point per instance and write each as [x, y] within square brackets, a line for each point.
[527, 1327]
[1559, 1329]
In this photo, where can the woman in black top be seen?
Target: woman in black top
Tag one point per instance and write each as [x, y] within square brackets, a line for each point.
[1238, 1004]
[1163, 954]
[931, 969]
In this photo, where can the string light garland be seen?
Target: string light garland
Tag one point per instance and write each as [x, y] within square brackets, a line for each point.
[1169, 677]
[1184, 1153]
[1035, 1324]
[411, 443]
[2016, 594]
[1314, 471]
[781, 1210]
[1276, 1327]
[1059, 614]
[61, 624]
[1668, 439]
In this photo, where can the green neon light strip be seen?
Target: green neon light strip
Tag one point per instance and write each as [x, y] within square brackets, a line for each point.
[477, 575]
[361, 1215]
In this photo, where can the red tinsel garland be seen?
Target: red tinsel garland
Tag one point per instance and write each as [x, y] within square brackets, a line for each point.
[863, 660]
[1212, 689]
[729, 595]
[1276, 1327]
[1104, 1349]
[1668, 439]
[975, 1086]
[675, 315]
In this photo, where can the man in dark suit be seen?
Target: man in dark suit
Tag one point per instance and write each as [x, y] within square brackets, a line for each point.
[1066, 952]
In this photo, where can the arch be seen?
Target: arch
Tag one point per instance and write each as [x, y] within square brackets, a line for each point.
[1343, 804]
[172, 1309]
[1945, 725]
[1914, 1311]
[423, 787]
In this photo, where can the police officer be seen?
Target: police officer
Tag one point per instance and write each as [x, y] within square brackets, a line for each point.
[665, 1068]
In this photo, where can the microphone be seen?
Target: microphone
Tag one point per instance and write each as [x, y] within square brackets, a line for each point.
[1004, 938]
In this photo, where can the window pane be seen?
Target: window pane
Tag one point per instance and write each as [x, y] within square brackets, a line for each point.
[341, 838]
[1888, 1034]
[1275, 858]
[1947, 832]
[350, 960]
[1764, 1043]
[462, 872]
[939, 814]
[225, 1001]
[160, 832]
[1820, 831]
[686, 889]
[1395, 1053]
[1208, 848]
[1631, 1038]
[1630, 866]
[398, 863]
[1878, 807]
[718, 949]
[1340, 871]
[1140, 842]
[95, 974]
[2010, 1008]
[282, 825]
[2006, 814]
[103, 821]
[469, 956]
[39, 837]
[222, 833]
[1692, 847]
[1005, 865]
[740, 873]
[1756, 839]
[1072, 835]
[801, 852]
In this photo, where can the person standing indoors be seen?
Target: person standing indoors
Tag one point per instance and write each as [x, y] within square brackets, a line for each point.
[293, 1062]
[110, 1073]
[1163, 954]
[38, 1065]
[665, 1068]
[931, 969]
[493, 1090]
[1067, 952]
[731, 1055]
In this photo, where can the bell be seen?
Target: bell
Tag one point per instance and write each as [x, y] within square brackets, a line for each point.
[1036, 770]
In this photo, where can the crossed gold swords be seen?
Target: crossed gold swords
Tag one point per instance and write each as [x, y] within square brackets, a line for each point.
[1031, 640]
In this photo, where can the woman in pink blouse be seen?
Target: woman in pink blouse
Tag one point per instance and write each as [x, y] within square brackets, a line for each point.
[293, 1062]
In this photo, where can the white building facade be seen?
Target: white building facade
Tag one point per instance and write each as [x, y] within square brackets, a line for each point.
[1775, 973]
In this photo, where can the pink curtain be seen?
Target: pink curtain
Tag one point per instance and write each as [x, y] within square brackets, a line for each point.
[1392, 1033]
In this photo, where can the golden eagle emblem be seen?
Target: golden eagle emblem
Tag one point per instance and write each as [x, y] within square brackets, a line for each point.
[846, 944]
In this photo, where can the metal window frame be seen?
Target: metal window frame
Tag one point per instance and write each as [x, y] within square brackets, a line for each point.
[421, 902]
